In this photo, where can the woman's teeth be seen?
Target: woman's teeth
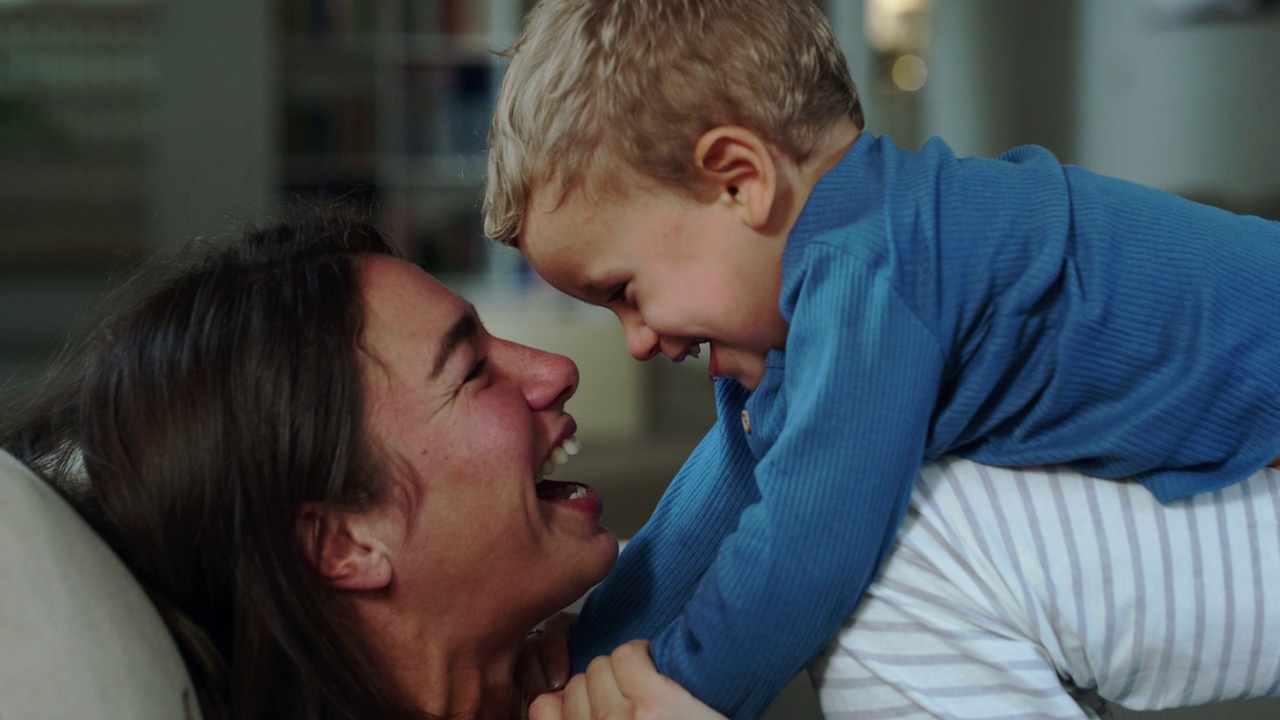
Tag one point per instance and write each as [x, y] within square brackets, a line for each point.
[561, 453]
[557, 491]
[553, 491]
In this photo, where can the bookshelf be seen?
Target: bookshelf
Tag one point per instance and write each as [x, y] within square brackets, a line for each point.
[76, 84]
[77, 80]
[387, 105]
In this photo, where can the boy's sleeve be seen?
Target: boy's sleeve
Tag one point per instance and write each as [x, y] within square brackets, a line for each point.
[860, 386]
[660, 567]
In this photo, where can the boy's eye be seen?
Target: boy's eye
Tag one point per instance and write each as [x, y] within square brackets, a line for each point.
[619, 293]
[476, 370]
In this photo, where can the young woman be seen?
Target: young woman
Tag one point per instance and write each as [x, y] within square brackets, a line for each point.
[326, 474]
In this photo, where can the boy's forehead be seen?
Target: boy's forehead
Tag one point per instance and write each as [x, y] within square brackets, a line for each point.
[553, 201]
[548, 221]
[558, 235]
[594, 183]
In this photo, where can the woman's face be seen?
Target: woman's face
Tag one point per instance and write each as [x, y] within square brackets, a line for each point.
[469, 421]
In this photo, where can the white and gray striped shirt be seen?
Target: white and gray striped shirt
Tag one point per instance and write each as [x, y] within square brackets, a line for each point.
[1043, 593]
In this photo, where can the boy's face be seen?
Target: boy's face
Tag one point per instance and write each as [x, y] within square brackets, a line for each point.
[677, 271]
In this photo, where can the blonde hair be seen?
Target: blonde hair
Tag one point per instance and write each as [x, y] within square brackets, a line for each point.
[633, 84]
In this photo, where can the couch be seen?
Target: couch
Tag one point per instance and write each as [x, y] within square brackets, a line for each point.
[78, 636]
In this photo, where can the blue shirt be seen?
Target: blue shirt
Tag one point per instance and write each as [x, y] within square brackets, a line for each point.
[1014, 311]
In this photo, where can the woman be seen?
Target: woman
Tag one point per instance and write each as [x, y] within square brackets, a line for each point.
[326, 474]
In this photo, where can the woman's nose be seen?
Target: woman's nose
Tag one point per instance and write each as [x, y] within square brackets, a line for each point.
[550, 379]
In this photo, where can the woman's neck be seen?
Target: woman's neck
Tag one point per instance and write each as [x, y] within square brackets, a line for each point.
[453, 680]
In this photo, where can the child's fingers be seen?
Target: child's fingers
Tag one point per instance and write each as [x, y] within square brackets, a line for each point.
[576, 705]
[623, 685]
[602, 690]
[635, 672]
[633, 658]
[652, 694]
[548, 706]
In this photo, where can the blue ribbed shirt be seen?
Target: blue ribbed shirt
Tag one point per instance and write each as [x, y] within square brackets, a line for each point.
[1015, 311]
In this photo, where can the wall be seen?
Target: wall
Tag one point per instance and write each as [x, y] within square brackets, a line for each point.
[216, 158]
[1121, 88]
[1188, 107]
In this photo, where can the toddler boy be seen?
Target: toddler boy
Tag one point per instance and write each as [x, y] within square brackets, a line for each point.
[699, 168]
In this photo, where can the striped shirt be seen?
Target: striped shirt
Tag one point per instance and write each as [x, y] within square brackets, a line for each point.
[1042, 593]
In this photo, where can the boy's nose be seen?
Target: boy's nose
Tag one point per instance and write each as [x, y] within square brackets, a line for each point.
[642, 342]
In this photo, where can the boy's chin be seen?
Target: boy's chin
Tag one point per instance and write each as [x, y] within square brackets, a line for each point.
[750, 378]
[736, 365]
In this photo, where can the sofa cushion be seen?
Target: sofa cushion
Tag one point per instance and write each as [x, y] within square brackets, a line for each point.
[78, 636]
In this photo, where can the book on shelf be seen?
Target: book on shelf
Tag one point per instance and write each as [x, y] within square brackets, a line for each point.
[329, 19]
[447, 108]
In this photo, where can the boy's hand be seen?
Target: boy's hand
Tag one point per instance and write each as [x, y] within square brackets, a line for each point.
[622, 685]
[544, 660]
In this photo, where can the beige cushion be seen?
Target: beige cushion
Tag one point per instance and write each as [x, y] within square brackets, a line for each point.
[78, 637]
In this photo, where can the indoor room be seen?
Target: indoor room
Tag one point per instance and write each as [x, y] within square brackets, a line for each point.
[128, 128]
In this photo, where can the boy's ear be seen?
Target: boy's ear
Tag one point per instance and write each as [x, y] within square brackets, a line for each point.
[344, 547]
[738, 164]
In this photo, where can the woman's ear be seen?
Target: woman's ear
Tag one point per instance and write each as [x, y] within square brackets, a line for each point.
[738, 164]
[344, 547]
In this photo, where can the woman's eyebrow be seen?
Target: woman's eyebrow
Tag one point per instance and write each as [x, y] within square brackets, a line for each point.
[462, 330]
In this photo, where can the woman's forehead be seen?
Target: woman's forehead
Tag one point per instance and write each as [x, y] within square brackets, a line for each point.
[400, 298]
[413, 325]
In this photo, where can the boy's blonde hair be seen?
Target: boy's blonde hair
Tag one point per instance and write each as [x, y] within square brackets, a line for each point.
[616, 87]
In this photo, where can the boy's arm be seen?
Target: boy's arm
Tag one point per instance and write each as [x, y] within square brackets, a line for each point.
[661, 566]
[860, 386]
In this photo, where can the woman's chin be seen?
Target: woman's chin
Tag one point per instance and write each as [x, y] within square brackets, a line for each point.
[593, 565]
[587, 550]
[603, 556]
[612, 556]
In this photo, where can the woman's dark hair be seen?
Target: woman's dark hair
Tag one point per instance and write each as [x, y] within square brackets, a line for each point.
[224, 391]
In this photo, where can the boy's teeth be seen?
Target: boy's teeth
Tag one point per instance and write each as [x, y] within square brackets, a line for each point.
[559, 456]
[548, 467]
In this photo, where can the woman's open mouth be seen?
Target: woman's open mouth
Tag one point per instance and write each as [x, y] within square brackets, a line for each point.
[578, 496]
[555, 491]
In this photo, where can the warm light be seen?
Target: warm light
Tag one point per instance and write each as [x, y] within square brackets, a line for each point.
[898, 26]
[910, 73]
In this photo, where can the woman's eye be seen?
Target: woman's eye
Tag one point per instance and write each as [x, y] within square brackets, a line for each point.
[619, 293]
[476, 370]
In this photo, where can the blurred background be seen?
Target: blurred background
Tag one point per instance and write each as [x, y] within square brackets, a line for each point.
[129, 126]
